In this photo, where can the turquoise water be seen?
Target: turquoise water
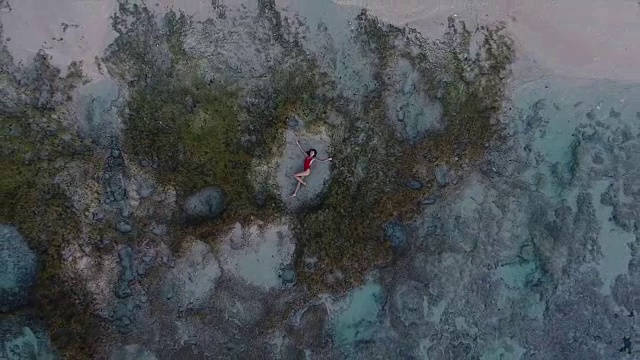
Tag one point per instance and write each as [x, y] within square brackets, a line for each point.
[359, 318]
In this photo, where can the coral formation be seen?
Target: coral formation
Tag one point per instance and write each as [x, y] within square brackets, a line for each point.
[147, 214]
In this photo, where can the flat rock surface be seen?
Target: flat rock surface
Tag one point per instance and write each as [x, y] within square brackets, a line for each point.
[292, 162]
[258, 253]
[191, 283]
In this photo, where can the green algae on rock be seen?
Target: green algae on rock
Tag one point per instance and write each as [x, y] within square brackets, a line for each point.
[36, 147]
[345, 235]
[198, 132]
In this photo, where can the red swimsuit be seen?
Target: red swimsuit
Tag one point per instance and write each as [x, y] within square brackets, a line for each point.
[307, 163]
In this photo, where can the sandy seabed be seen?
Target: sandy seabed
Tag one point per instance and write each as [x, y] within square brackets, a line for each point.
[593, 39]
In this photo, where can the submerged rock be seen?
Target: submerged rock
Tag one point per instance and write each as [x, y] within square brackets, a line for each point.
[132, 352]
[18, 266]
[240, 307]
[397, 234]
[313, 326]
[159, 229]
[409, 109]
[23, 338]
[360, 315]
[415, 185]
[127, 274]
[124, 226]
[257, 253]
[442, 175]
[207, 203]
[408, 304]
[428, 200]
[288, 275]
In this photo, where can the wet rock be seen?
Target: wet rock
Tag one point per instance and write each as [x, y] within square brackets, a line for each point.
[98, 215]
[127, 272]
[244, 309]
[290, 351]
[288, 275]
[411, 112]
[442, 175]
[126, 210]
[192, 281]
[145, 262]
[189, 104]
[145, 188]
[313, 326]
[415, 185]
[261, 198]
[100, 103]
[123, 317]
[428, 200]
[132, 352]
[115, 189]
[124, 226]
[397, 234]
[18, 266]
[23, 337]
[257, 253]
[10, 103]
[626, 216]
[408, 303]
[360, 315]
[207, 203]
[295, 123]
[159, 229]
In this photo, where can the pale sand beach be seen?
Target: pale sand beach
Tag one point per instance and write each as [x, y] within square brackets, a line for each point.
[593, 39]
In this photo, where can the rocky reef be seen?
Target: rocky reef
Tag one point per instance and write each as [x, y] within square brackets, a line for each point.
[147, 214]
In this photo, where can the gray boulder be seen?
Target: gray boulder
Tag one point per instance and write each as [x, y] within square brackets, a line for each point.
[207, 203]
[18, 266]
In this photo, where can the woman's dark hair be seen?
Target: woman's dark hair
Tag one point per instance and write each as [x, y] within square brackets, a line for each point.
[315, 152]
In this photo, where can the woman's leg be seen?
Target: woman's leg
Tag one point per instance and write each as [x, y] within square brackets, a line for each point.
[297, 188]
[299, 176]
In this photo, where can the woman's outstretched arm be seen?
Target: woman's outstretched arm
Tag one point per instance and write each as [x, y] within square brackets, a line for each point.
[300, 147]
[325, 160]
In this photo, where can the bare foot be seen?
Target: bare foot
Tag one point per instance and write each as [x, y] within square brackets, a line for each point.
[294, 195]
